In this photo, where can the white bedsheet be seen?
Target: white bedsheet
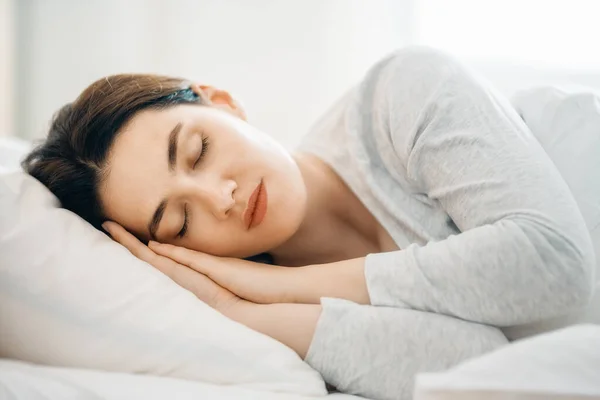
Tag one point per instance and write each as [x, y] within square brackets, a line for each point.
[560, 365]
[24, 381]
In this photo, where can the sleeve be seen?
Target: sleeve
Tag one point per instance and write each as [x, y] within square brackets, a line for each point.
[376, 352]
[524, 253]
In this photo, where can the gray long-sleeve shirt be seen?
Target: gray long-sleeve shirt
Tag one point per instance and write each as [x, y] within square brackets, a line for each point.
[488, 230]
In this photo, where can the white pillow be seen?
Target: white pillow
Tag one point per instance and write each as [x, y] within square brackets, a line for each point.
[70, 296]
[563, 364]
[12, 151]
[23, 381]
[566, 122]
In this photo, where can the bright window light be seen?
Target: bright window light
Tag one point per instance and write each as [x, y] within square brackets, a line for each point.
[562, 33]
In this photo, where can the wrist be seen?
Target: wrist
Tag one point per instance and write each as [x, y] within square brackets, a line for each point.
[343, 280]
[308, 283]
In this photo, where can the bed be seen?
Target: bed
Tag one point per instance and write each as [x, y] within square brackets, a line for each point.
[25, 381]
[115, 343]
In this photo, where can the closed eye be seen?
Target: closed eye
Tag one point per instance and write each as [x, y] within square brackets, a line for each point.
[184, 228]
[205, 144]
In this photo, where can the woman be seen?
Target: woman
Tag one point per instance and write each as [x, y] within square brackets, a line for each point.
[420, 212]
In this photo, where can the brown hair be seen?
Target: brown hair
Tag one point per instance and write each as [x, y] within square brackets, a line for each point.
[71, 161]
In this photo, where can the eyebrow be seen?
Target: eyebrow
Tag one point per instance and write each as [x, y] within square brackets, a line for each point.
[172, 152]
[172, 162]
[158, 214]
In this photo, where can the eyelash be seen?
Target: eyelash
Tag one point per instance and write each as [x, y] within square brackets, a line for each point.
[184, 228]
[205, 144]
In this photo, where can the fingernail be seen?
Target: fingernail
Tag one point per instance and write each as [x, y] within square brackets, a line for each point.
[106, 226]
[152, 243]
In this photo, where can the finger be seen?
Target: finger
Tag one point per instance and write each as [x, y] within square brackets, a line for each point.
[202, 286]
[193, 259]
[179, 273]
[122, 236]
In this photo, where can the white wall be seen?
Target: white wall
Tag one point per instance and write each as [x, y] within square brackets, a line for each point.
[510, 77]
[6, 66]
[541, 33]
[286, 59]
[517, 43]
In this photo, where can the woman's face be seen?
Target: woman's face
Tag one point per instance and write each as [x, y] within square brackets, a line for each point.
[186, 175]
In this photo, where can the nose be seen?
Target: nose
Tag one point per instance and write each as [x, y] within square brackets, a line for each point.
[216, 194]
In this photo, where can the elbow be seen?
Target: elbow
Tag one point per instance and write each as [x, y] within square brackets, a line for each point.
[578, 275]
[567, 272]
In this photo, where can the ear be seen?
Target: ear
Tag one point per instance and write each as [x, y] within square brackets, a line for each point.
[221, 99]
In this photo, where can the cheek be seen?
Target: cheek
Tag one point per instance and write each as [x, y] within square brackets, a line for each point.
[229, 241]
[215, 239]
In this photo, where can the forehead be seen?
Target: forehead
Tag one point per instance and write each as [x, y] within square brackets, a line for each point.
[153, 124]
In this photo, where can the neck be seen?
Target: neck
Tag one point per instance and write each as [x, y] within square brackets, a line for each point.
[331, 229]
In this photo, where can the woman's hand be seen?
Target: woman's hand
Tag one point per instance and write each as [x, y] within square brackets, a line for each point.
[204, 288]
[256, 282]
[220, 280]
[291, 324]
[268, 284]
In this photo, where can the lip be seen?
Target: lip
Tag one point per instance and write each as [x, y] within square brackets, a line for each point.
[257, 206]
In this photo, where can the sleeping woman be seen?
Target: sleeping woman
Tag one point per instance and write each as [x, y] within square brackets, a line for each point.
[419, 214]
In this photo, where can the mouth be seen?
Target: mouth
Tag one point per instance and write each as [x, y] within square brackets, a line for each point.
[257, 206]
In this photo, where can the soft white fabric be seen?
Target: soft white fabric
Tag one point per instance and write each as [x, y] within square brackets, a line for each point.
[23, 381]
[12, 151]
[566, 121]
[563, 364]
[70, 296]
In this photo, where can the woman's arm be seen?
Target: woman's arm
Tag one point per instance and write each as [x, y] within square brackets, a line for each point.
[290, 324]
[524, 253]
[267, 284]
[371, 351]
